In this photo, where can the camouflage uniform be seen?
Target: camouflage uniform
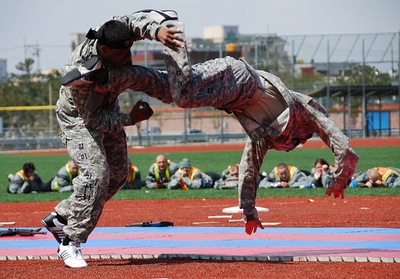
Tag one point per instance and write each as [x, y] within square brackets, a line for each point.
[154, 175]
[96, 141]
[231, 85]
[62, 182]
[21, 185]
[389, 175]
[196, 180]
[296, 179]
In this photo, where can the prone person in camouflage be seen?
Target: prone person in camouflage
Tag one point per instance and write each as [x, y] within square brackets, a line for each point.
[134, 177]
[62, 181]
[379, 177]
[26, 180]
[189, 177]
[273, 116]
[160, 172]
[92, 124]
[284, 176]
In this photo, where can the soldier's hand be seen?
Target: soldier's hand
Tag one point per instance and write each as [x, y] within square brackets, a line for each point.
[251, 226]
[160, 185]
[337, 187]
[336, 193]
[31, 178]
[169, 38]
[369, 184]
[141, 111]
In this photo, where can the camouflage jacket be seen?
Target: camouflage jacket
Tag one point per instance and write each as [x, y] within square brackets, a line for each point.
[72, 100]
[303, 117]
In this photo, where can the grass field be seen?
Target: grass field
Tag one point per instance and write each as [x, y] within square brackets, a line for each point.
[48, 165]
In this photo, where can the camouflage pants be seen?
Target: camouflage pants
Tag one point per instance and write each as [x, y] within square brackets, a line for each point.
[102, 160]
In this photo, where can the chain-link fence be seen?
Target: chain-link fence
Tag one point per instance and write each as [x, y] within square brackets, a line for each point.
[355, 76]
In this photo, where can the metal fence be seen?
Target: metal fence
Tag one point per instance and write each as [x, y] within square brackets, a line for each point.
[54, 142]
[328, 54]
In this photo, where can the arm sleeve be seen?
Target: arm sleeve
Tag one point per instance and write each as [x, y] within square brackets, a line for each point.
[108, 118]
[151, 179]
[345, 158]
[265, 183]
[15, 184]
[362, 178]
[196, 183]
[62, 182]
[137, 184]
[152, 82]
[392, 181]
[174, 183]
[298, 179]
[326, 179]
[62, 177]
[144, 24]
[37, 184]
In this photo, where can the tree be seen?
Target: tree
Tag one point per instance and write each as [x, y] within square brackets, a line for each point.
[372, 76]
[27, 89]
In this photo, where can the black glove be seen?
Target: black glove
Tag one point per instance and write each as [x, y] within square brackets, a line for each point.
[141, 111]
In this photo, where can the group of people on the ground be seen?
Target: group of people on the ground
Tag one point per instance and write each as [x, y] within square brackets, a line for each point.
[164, 173]
[321, 175]
[27, 180]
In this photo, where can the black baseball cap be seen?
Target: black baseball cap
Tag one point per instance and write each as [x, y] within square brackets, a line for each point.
[114, 34]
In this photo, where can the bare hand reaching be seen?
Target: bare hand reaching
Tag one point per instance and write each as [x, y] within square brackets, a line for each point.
[169, 38]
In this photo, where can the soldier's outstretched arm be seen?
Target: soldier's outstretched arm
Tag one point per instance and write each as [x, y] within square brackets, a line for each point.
[345, 158]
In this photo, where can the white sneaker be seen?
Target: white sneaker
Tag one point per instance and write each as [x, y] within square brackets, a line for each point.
[72, 255]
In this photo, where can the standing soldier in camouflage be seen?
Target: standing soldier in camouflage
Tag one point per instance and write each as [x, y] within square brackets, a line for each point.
[273, 116]
[92, 124]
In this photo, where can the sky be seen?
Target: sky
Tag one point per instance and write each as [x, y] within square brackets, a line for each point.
[48, 23]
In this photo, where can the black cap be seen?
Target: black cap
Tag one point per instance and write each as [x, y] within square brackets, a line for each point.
[113, 33]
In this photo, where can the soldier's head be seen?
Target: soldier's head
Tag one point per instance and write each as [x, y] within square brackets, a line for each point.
[29, 169]
[185, 166]
[161, 161]
[73, 167]
[114, 41]
[283, 172]
[233, 171]
[321, 164]
[373, 175]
